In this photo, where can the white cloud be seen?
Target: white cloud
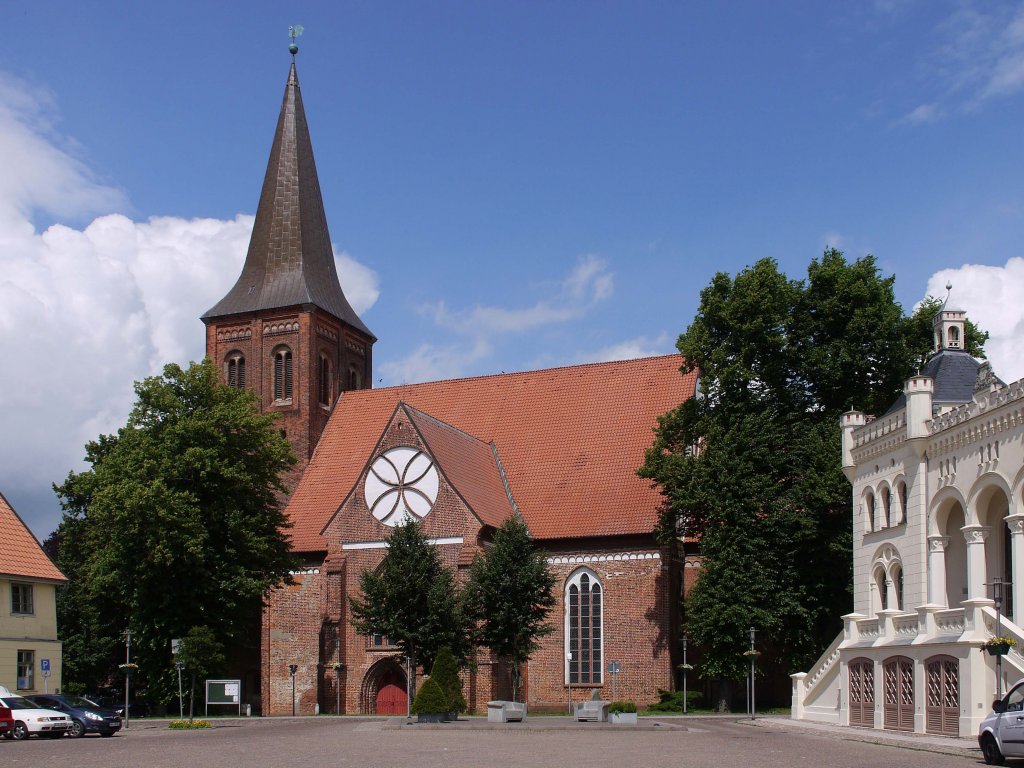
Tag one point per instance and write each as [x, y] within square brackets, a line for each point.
[924, 113]
[85, 312]
[588, 284]
[991, 297]
[629, 349]
[978, 55]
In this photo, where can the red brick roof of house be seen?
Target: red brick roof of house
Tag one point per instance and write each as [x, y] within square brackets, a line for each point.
[569, 440]
[20, 553]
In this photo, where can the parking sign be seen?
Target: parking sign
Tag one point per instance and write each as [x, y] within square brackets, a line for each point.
[44, 664]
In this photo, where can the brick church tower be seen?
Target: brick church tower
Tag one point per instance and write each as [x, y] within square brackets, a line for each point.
[286, 330]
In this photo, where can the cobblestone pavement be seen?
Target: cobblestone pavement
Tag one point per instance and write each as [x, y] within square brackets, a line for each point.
[328, 742]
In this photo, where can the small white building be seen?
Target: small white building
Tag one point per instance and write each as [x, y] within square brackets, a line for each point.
[938, 522]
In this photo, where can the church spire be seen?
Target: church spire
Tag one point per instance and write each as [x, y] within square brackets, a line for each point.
[290, 261]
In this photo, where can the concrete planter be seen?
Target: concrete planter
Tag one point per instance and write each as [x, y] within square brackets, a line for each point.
[432, 717]
[622, 718]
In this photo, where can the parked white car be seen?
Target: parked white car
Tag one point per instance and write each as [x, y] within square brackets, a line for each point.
[1001, 734]
[29, 719]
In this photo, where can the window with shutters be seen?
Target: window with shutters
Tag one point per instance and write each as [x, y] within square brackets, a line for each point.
[235, 374]
[584, 636]
[282, 375]
[323, 375]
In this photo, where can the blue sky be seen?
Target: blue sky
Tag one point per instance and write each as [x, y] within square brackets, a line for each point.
[508, 185]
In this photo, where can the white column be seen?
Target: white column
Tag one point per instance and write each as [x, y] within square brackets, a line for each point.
[1016, 525]
[937, 570]
[975, 536]
[890, 593]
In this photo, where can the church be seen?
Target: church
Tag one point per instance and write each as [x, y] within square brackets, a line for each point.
[558, 448]
[938, 552]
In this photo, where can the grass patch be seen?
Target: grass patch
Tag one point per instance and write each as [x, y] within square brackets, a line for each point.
[185, 725]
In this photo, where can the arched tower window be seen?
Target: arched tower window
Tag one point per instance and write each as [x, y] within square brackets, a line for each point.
[323, 375]
[282, 374]
[901, 491]
[869, 512]
[954, 337]
[584, 624]
[886, 508]
[355, 380]
[235, 370]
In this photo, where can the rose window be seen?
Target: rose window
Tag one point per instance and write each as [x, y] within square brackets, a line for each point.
[401, 484]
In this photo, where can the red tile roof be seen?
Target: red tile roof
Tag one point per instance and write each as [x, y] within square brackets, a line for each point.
[470, 466]
[20, 553]
[569, 439]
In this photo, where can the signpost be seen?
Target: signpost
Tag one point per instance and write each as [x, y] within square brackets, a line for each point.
[44, 665]
[614, 668]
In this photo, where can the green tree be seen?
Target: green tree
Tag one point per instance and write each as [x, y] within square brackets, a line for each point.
[413, 599]
[752, 466]
[510, 595]
[445, 673]
[177, 523]
[430, 700]
[201, 654]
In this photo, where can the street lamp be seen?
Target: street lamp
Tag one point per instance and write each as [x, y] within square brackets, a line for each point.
[752, 654]
[568, 676]
[292, 669]
[997, 585]
[685, 668]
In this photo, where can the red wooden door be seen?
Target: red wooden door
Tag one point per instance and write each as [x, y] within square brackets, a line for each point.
[862, 692]
[898, 673]
[391, 699]
[942, 708]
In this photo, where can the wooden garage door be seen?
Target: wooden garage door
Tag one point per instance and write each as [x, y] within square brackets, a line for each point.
[942, 684]
[862, 692]
[898, 683]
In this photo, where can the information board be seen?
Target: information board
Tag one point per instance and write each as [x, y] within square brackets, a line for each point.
[224, 693]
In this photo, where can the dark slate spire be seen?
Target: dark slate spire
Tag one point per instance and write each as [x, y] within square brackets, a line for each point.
[290, 261]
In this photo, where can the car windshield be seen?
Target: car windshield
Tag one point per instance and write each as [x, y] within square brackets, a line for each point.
[16, 702]
[79, 701]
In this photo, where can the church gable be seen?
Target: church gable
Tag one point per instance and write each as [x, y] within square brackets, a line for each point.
[423, 469]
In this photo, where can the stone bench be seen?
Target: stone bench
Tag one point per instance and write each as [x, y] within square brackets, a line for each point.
[506, 711]
[595, 710]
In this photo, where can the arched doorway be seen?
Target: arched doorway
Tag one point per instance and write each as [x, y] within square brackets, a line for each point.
[862, 692]
[384, 691]
[898, 679]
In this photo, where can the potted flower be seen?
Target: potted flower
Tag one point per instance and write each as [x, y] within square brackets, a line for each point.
[999, 645]
[622, 713]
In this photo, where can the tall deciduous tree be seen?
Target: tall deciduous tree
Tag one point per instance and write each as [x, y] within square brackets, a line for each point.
[177, 523]
[509, 595]
[412, 597]
[752, 468]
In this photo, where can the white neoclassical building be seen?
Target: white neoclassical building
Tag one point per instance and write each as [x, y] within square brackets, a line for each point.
[938, 521]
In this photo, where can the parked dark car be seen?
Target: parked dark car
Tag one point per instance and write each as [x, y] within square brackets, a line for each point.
[6, 721]
[137, 708]
[86, 716]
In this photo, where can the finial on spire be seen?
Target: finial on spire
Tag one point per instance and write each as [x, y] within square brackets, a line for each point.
[293, 32]
[949, 289]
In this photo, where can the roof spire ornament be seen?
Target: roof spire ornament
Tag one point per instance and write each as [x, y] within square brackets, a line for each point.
[949, 290]
[293, 32]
